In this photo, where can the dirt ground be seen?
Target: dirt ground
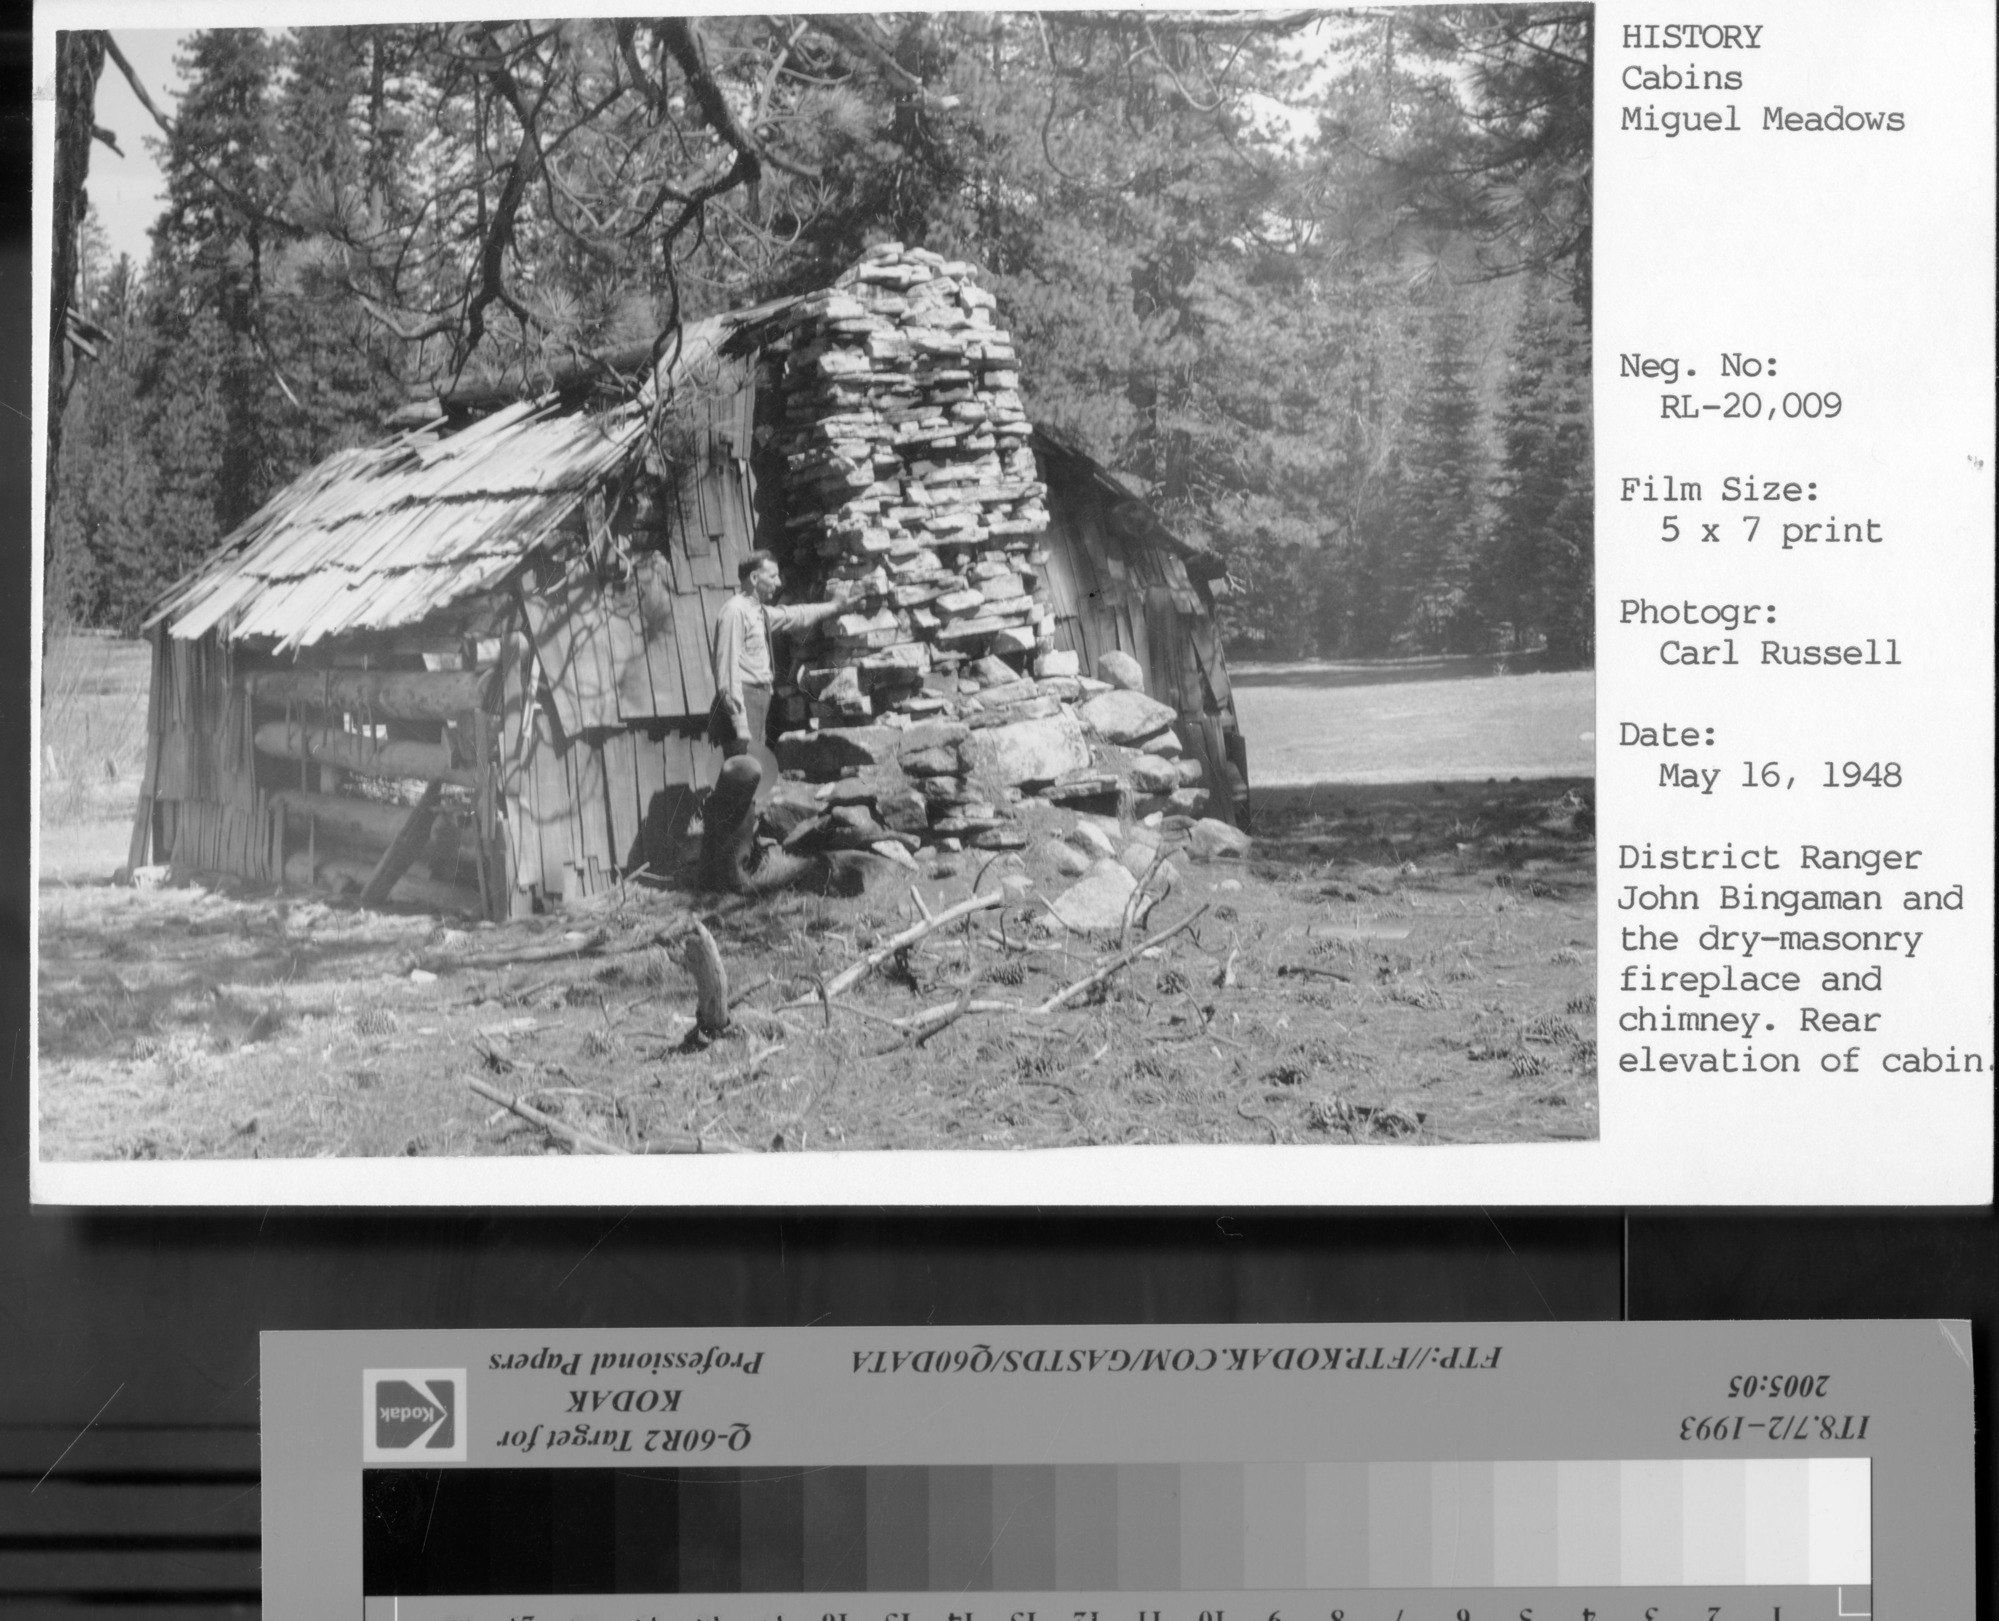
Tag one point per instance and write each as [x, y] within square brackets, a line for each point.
[1393, 965]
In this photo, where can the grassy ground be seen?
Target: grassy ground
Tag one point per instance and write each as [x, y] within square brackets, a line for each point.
[93, 742]
[1395, 964]
[1412, 720]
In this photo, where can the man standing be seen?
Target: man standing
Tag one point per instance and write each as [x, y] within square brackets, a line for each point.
[743, 671]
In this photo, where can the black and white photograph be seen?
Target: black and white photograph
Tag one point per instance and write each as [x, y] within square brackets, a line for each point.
[791, 584]
[1131, 812]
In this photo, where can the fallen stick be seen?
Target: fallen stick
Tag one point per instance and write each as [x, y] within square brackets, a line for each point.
[919, 1034]
[919, 1022]
[862, 1013]
[1068, 992]
[494, 1059]
[548, 1123]
[1285, 968]
[678, 1142]
[1136, 905]
[574, 1092]
[519, 993]
[855, 972]
[593, 941]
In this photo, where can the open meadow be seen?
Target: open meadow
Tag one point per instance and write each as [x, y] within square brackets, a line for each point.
[1415, 720]
[1402, 961]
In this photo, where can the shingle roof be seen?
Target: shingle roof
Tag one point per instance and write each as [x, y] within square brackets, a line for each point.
[384, 535]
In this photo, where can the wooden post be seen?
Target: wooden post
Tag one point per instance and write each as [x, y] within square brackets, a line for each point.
[144, 834]
[703, 959]
[482, 813]
[513, 790]
[410, 838]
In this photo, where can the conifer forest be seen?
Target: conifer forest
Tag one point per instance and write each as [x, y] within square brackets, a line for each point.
[1317, 282]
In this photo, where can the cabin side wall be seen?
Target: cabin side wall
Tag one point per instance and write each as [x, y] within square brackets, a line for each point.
[270, 789]
[251, 761]
[606, 704]
[581, 764]
[583, 812]
[200, 805]
[1116, 594]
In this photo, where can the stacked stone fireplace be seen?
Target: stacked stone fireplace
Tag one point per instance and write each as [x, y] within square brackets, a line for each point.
[937, 701]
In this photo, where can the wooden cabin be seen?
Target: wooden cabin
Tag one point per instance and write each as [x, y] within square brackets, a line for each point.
[469, 666]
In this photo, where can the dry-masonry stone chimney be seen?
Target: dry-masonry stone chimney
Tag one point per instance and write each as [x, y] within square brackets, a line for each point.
[937, 701]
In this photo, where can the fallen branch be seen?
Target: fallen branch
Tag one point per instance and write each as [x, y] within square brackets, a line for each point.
[919, 1034]
[854, 973]
[1285, 968]
[581, 1140]
[517, 994]
[573, 1092]
[678, 1142]
[919, 1021]
[862, 1013]
[553, 952]
[1140, 902]
[1069, 992]
[491, 1055]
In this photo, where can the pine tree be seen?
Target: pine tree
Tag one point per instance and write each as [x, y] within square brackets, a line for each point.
[213, 412]
[1440, 517]
[244, 366]
[1221, 307]
[79, 63]
[1538, 572]
[1353, 584]
[101, 515]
